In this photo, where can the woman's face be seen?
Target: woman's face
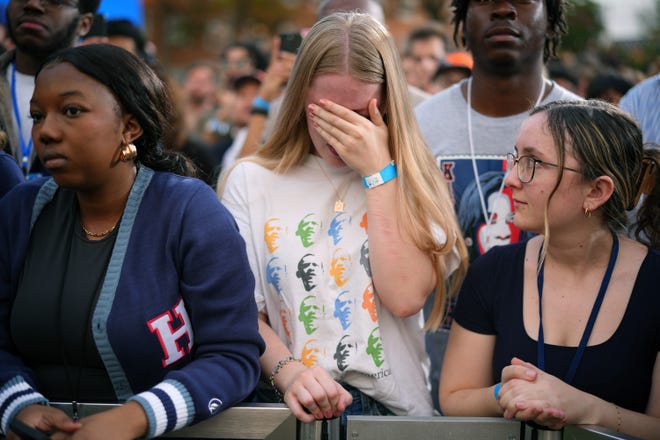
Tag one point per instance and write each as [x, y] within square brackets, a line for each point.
[346, 91]
[77, 129]
[566, 207]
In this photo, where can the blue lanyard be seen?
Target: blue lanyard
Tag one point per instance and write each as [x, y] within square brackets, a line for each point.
[26, 149]
[592, 318]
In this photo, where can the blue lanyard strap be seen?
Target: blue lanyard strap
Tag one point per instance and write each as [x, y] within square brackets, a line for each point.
[26, 148]
[577, 358]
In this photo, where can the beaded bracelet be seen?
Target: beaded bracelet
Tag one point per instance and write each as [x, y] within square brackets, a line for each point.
[277, 368]
[618, 418]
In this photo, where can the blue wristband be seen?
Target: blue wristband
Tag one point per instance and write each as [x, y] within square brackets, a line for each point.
[383, 176]
[496, 391]
[260, 103]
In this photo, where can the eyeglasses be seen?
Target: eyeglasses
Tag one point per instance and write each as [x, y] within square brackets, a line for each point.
[526, 166]
[51, 3]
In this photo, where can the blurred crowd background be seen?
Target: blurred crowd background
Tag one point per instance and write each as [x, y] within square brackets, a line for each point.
[215, 53]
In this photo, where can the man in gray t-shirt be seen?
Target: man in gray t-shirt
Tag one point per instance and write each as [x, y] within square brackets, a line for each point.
[471, 126]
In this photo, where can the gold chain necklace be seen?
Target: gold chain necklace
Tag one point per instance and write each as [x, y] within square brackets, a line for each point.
[98, 234]
[339, 204]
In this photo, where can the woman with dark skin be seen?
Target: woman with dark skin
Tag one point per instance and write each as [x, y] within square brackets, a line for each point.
[126, 283]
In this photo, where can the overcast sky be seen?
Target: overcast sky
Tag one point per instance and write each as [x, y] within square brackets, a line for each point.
[622, 17]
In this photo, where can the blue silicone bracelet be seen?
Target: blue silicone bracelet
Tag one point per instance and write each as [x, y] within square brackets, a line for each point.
[383, 176]
[496, 390]
[260, 103]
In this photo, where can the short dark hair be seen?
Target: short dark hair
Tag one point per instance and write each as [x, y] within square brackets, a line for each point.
[85, 6]
[427, 32]
[258, 59]
[556, 11]
[605, 81]
[138, 91]
[126, 28]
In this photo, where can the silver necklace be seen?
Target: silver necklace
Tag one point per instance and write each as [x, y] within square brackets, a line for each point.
[488, 219]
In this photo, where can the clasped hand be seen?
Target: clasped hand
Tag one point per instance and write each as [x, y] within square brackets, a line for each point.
[528, 393]
[360, 141]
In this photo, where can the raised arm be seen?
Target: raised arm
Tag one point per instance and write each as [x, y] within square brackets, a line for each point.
[403, 275]
[272, 84]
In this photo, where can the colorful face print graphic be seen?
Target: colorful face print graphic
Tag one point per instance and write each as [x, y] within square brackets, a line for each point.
[273, 233]
[364, 257]
[369, 302]
[276, 273]
[499, 205]
[340, 267]
[344, 309]
[309, 314]
[364, 224]
[338, 227]
[285, 316]
[310, 353]
[308, 230]
[346, 350]
[375, 347]
[310, 271]
[498, 232]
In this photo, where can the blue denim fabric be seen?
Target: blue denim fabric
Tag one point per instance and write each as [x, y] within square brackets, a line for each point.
[362, 405]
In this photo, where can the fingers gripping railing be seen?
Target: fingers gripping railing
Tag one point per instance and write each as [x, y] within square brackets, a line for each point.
[275, 422]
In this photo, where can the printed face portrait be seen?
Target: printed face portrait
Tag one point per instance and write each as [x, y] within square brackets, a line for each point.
[285, 317]
[308, 230]
[369, 302]
[340, 267]
[309, 314]
[310, 270]
[364, 257]
[345, 352]
[498, 232]
[310, 353]
[375, 347]
[338, 227]
[273, 231]
[275, 273]
[344, 309]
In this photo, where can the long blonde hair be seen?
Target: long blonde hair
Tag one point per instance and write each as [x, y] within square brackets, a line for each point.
[359, 45]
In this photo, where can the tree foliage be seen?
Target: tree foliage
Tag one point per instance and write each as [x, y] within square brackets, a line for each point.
[585, 26]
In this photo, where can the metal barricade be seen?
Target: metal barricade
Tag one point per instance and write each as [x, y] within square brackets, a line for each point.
[431, 428]
[275, 422]
[466, 428]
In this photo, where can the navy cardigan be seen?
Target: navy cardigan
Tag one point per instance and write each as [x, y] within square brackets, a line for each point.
[175, 322]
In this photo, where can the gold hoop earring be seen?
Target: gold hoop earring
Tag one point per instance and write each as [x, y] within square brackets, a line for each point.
[587, 213]
[128, 153]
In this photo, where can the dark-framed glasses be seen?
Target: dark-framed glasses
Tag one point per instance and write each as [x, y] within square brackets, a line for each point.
[52, 3]
[526, 166]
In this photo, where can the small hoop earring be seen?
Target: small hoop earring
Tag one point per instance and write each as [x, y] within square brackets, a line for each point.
[128, 153]
[587, 213]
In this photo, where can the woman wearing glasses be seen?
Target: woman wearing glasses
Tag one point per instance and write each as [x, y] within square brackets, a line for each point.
[565, 328]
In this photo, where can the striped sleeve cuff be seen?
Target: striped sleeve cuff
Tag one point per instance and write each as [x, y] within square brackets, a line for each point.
[14, 396]
[168, 405]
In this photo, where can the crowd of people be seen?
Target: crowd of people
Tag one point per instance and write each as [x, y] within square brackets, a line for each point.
[348, 226]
